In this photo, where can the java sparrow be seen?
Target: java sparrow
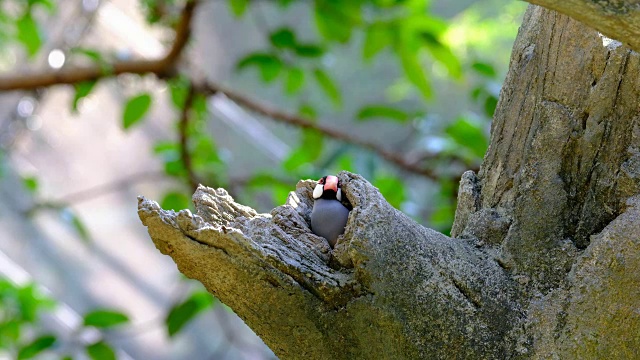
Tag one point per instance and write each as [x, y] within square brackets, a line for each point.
[329, 216]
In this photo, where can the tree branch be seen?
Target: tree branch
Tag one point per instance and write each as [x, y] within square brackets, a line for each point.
[619, 20]
[301, 122]
[162, 67]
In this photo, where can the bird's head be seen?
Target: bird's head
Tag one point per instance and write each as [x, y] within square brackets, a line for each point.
[328, 187]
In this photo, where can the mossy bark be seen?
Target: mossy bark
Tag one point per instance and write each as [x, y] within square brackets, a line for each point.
[546, 263]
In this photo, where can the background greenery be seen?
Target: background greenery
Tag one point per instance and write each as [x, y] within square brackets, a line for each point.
[414, 78]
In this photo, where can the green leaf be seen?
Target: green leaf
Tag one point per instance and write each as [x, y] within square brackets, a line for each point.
[392, 189]
[265, 180]
[279, 194]
[28, 34]
[95, 56]
[446, 57]
[345, 162]
[477, 92]
[379, 111]
[30, 301]
[490, 104]
[422, 22]
[174, 168]
[238, 7]
[328, 86]
[484, 69]
[101, 351]
[181, 314]
[135, 109]
[105, 319]
[169, 152]
[200, 107]
[442, 54]
[294, 80]
[175, 200]
[80, 229]
[9, 332]
[308, 111]
[179, 88]
[92, 54]
[336, 19]
[205, 151]
[31, 183]
[309, 50]
[76, 223]
[413, 70]
[83, 89]
[309, 150]
[377, 37]
[279, 187]
[36, 346]
[166, 149]
[312, 140]
[468, 135]
[283, 38]
[296, 159]
[269, 65]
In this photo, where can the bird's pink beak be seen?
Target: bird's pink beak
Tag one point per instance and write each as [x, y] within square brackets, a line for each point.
[331, 183]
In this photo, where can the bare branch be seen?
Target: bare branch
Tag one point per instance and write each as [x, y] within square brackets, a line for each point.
[162, 67]
[299, 121]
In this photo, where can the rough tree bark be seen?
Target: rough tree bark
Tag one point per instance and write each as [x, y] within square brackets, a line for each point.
[619, 19]
[546, 263]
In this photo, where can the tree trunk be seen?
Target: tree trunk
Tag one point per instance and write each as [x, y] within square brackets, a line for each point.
[619, 19]
[547, 264]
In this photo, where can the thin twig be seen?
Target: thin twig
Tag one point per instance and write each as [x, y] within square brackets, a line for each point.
[163, 67]
[183, 130]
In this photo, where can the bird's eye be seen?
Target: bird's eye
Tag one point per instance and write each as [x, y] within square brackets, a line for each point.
[321, 181]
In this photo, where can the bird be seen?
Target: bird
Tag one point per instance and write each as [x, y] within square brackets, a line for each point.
[329, 216]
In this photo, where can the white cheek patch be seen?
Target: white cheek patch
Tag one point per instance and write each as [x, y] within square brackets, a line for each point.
[339, 195]
[317, 192]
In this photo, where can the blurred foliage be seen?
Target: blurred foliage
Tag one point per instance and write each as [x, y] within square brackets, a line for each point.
[23, 331]
[417, 40]
[430, 57]
[182, 313]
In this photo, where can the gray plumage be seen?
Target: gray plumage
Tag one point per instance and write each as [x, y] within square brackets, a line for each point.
[328, 219]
